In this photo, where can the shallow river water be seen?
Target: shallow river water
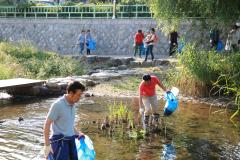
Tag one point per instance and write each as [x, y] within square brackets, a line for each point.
[194, 131]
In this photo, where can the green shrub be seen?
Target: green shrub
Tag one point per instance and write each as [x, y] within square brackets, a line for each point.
[24, 60]
[203, 71]
[204, 65]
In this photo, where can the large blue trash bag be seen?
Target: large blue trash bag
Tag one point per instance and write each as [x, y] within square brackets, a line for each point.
[171, 104]
[92, 45]
[85, 148]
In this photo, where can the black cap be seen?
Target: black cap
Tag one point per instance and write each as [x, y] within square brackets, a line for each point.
[146, 77]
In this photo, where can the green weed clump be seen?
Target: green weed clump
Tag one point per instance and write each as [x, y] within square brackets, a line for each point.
[24, 60]
[121, 115]
[209, 72]
[206, 66]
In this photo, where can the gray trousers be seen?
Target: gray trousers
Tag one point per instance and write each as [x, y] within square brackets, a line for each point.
[150, 105]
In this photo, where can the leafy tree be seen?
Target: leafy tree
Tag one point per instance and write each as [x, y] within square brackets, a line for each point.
[196, 8]
[216, 11]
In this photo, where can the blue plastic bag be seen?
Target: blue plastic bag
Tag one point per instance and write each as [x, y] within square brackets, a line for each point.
[92, 45]
[171, 104]
[180, 47]
[50, 156]
[219, 46]
[85, 148]
[143, 50]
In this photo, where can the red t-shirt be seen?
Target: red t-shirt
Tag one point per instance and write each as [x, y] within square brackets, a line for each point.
[139, 38]
[149, 89]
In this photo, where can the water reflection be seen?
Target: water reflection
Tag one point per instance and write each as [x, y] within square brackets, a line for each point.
[168, 152]
[192, 132]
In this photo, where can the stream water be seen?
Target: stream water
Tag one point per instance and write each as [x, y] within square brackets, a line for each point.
[194, 131]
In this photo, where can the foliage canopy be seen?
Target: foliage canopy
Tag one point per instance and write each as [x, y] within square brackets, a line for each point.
[196, 8]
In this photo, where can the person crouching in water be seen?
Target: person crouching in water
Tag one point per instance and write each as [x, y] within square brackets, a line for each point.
[148, 98]
[61, 145]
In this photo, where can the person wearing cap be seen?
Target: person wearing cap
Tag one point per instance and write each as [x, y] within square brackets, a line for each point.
[61, 145]
[148, 98]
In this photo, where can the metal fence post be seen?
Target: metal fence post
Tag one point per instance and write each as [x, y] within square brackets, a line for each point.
[136, 11]
[114, 9]
[15, 12]
[94, 11]
[25, 13]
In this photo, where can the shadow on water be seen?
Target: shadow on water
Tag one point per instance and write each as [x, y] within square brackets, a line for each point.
[192, 132]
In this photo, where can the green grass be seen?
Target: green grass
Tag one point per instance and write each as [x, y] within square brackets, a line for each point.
[129, 84]
[26, 61]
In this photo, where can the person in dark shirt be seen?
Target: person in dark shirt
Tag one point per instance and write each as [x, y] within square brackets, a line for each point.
[173, 36]
[214, 38]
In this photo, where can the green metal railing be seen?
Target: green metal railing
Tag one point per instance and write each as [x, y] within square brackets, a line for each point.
[80, 12]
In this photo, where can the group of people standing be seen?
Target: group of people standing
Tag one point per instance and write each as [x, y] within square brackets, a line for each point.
[232, 42]
[84, 38]
[145, 44]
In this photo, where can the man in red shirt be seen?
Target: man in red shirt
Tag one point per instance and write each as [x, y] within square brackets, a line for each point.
[138, 42]
[148, 98]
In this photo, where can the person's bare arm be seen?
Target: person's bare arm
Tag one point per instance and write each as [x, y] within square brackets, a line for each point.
[46, 132]
[162, 86]
[140, 101]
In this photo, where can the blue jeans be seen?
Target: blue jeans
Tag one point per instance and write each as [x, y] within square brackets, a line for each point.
[81, 46]
[64, 148]
[149, 49]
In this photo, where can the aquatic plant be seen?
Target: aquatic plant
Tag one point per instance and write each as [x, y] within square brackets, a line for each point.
[122, 117]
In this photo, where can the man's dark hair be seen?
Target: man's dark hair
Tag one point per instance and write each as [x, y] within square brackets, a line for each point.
[146, 77]
[152, 29]
[139, 31]
[74, 86]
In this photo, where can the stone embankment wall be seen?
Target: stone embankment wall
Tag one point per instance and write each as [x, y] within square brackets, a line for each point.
[113, 37]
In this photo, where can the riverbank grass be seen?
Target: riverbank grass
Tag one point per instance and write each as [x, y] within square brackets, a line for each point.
[26, 61]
